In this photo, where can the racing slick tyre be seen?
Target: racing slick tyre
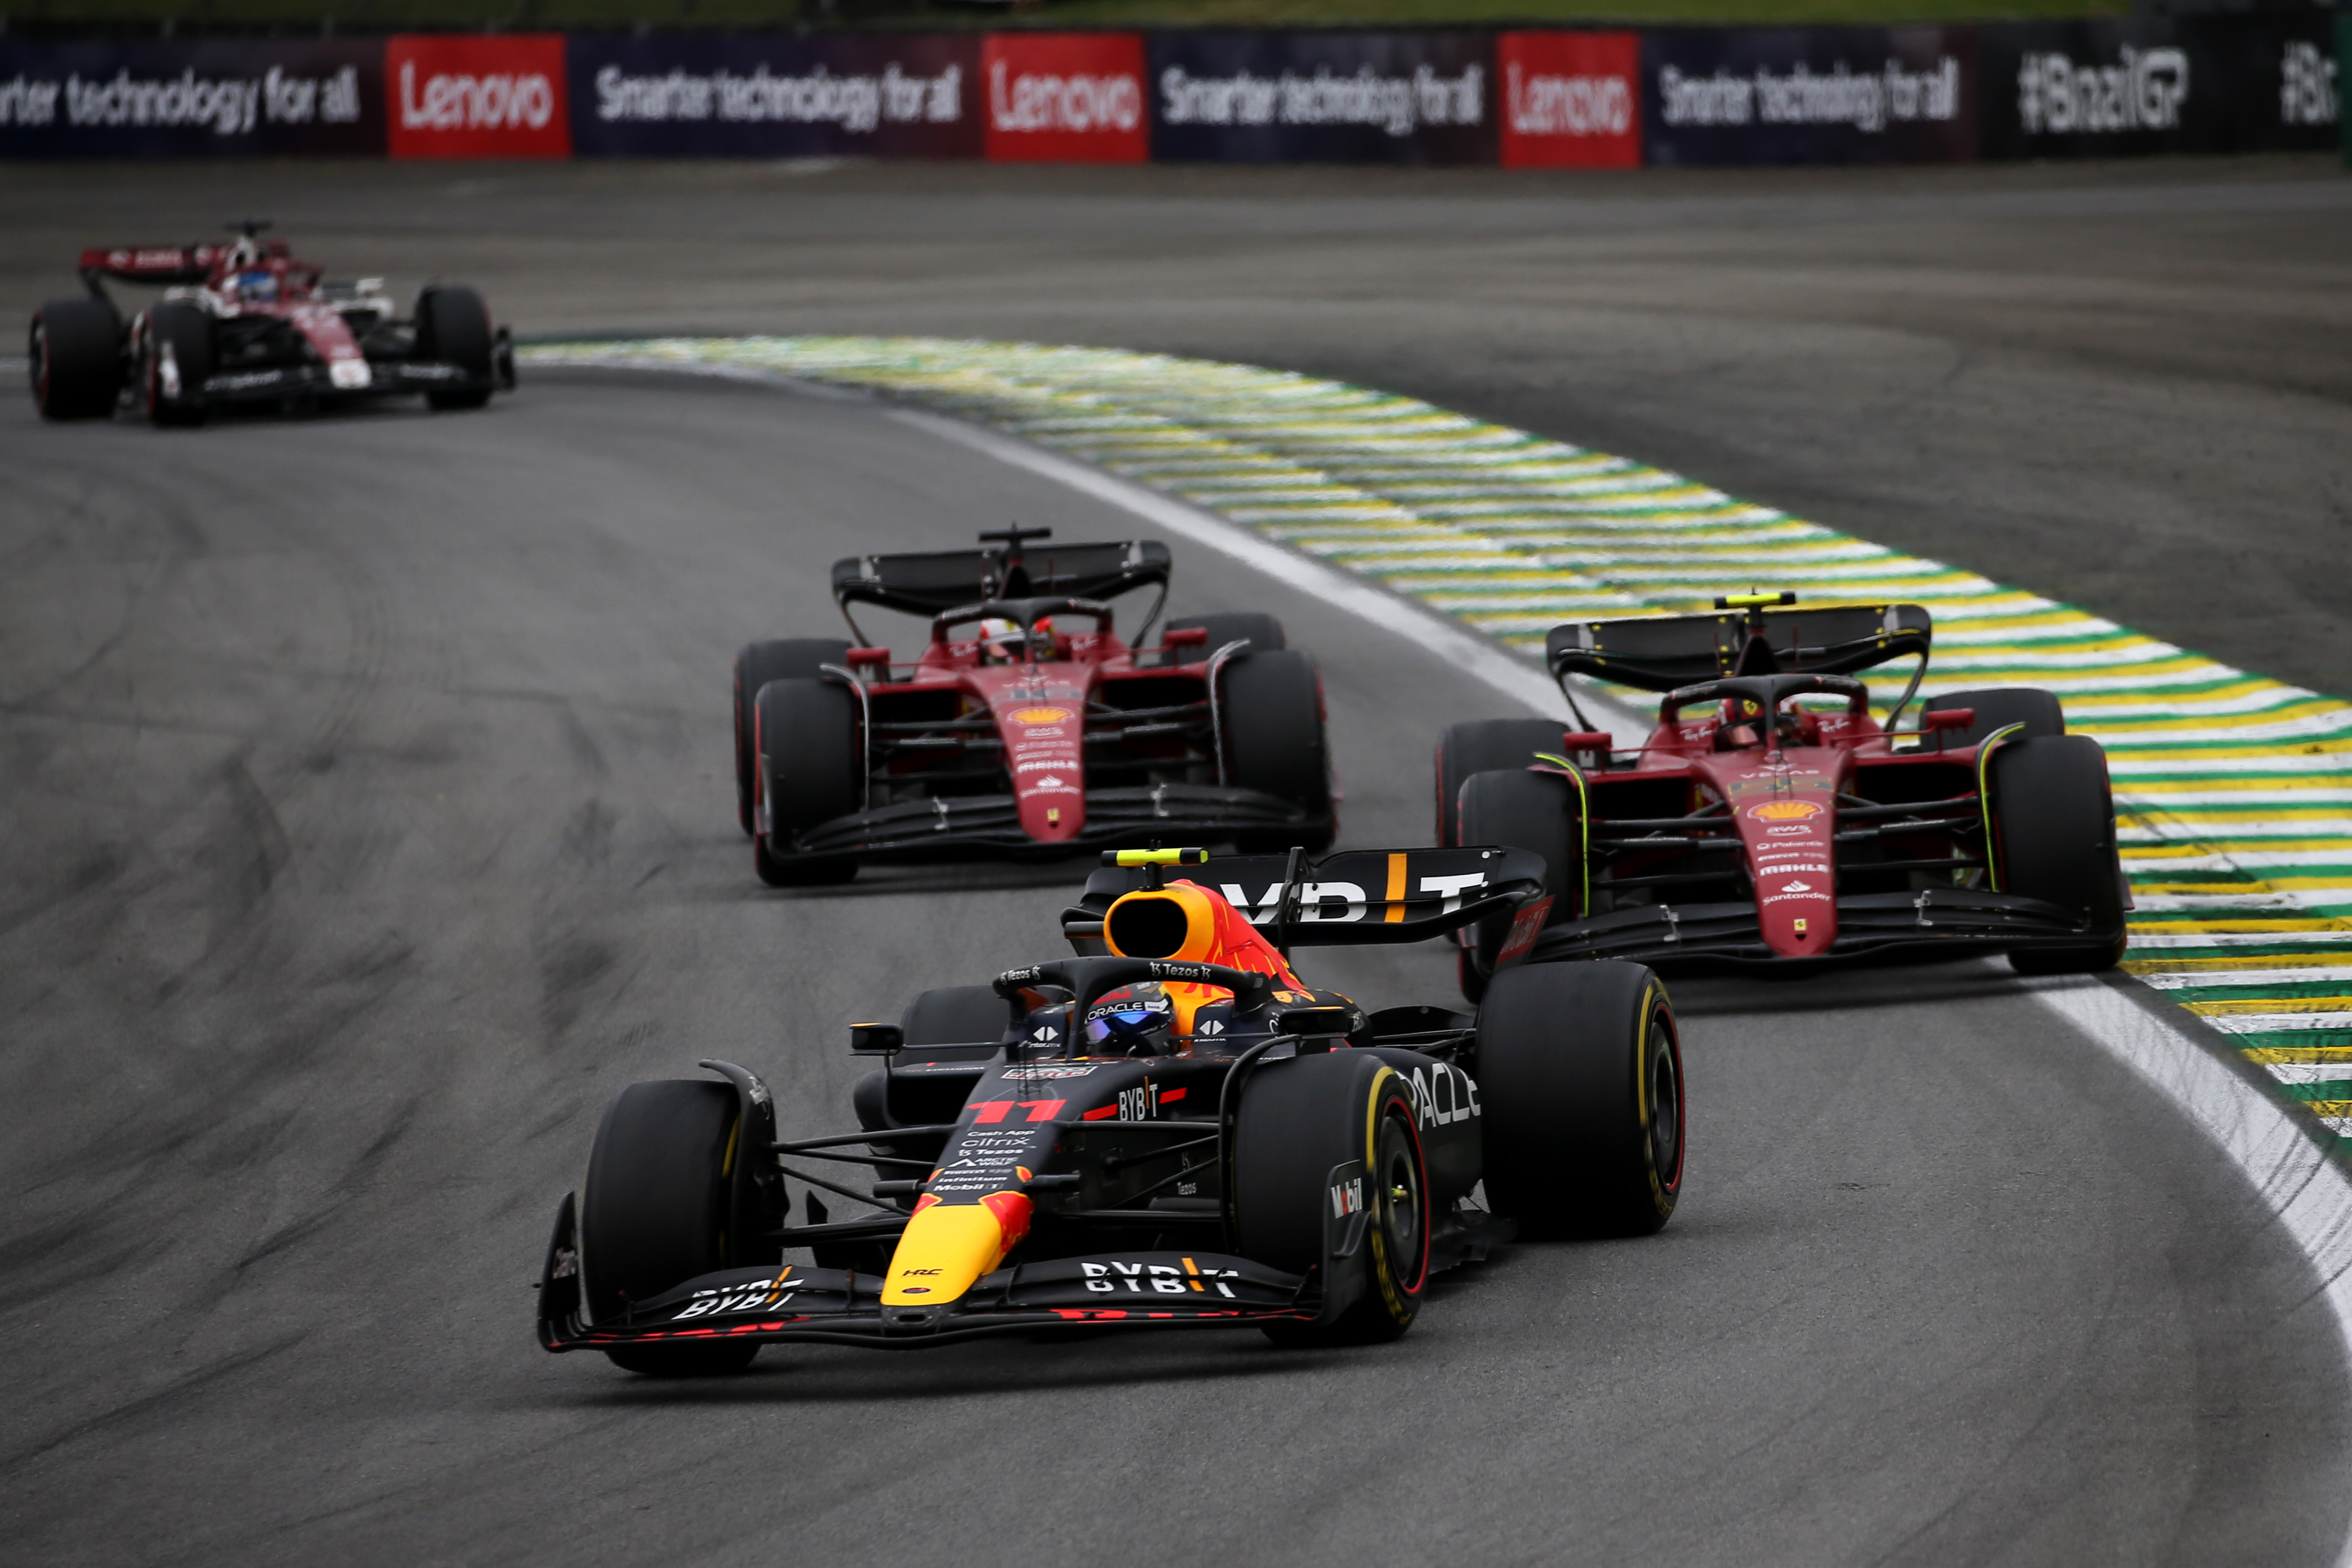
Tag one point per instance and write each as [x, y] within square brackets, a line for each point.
[1580, 1070]
[1997, 708]
[74, 348]
[1272, 711]
[1522, 810]
[1484, 745]
[784, 658]
[2055, 826]
[176, 360]
[808, 773]
[653, 1214]
[453, 327]
[1303, 1120]
[1263, 633]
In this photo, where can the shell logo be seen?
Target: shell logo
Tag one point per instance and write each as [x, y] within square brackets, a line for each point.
[1785, 810]
[1040, 715]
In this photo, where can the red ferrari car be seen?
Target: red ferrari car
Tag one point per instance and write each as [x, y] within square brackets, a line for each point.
[1023, 725]
[246, 322]
[1749, 830]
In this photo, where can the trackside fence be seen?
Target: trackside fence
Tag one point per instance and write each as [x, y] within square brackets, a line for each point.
[1520, 98]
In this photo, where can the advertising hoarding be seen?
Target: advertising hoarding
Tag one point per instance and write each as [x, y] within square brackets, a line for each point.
[700, 95]
[1066, 98]
[1808, 95]
[1570, 100]
[490, 95]
[2151, 85]
[1322, 97]
[203, 98]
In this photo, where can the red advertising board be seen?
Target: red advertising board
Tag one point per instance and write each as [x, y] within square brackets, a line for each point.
[478, 95]
[1571, 100]
[1066, 98]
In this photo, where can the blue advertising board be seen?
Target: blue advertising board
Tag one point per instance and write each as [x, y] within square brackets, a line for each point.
[1322, 97]
[775, 95]
[198, 98]
[1808, 95]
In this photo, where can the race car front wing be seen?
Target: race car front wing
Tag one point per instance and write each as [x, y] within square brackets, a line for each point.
[1113, 817]
[1951, 920]
[385, 378]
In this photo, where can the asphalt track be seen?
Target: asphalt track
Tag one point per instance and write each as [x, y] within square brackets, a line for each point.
[364, 795]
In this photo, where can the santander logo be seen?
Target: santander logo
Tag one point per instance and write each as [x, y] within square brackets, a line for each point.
[1066, 98]
[478, 96]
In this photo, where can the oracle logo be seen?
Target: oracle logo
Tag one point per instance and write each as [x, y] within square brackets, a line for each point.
[1571, 100]
[1066, 98]
[478, 96]
[475, 103]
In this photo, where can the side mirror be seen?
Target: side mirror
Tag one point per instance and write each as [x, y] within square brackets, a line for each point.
[1185, 637]
[1947, 719]
[877, 1039]
[871, 660]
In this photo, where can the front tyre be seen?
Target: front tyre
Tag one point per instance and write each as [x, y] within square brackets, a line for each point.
[1580, 1067]
[653, 1213]
[1302, 1121]
[810, 771]
[1485, 745]
[2053, 818]
[453, 327]
[1523, 810]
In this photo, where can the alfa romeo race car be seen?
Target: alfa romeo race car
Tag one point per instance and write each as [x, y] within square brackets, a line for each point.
[1171, 1129]
[248, 323]
[1024, 725]
[1749, 830]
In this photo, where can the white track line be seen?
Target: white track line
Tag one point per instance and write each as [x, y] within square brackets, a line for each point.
[2308, 1192]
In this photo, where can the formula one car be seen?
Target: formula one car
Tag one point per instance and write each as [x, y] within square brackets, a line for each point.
[1171, 1129]
[247, 323]
[1024, 725]
[1749, 831]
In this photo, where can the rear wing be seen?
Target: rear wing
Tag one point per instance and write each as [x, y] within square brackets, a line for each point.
[1355, 898]
[1661, 653]
[934, 583]
[161, 263]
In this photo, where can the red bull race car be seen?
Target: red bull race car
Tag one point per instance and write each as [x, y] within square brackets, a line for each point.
[1171, 1129]
[247, 323]
[1752, 830]
[1023, 725]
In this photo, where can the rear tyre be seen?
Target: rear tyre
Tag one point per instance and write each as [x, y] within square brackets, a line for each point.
[175, 361]
[1484, 745]
[1300, 1119]
[1997, 708]
[1272, 711]
[1263, 633]
[808, 773]
[653, 1213]
[2054, 823]
[453, 327]
[785, 658]
[74, 348]
[1524, 810]
[1580, 1067]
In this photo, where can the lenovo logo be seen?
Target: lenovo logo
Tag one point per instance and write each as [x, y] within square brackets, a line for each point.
[495, 96]
[1067, 98]
[1571, 99]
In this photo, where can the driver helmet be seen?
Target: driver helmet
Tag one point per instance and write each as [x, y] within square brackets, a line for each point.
[1132, 1021]
[258, 284]
[1000, 641]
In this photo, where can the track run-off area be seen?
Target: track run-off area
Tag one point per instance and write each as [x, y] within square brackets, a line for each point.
[365, 792]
